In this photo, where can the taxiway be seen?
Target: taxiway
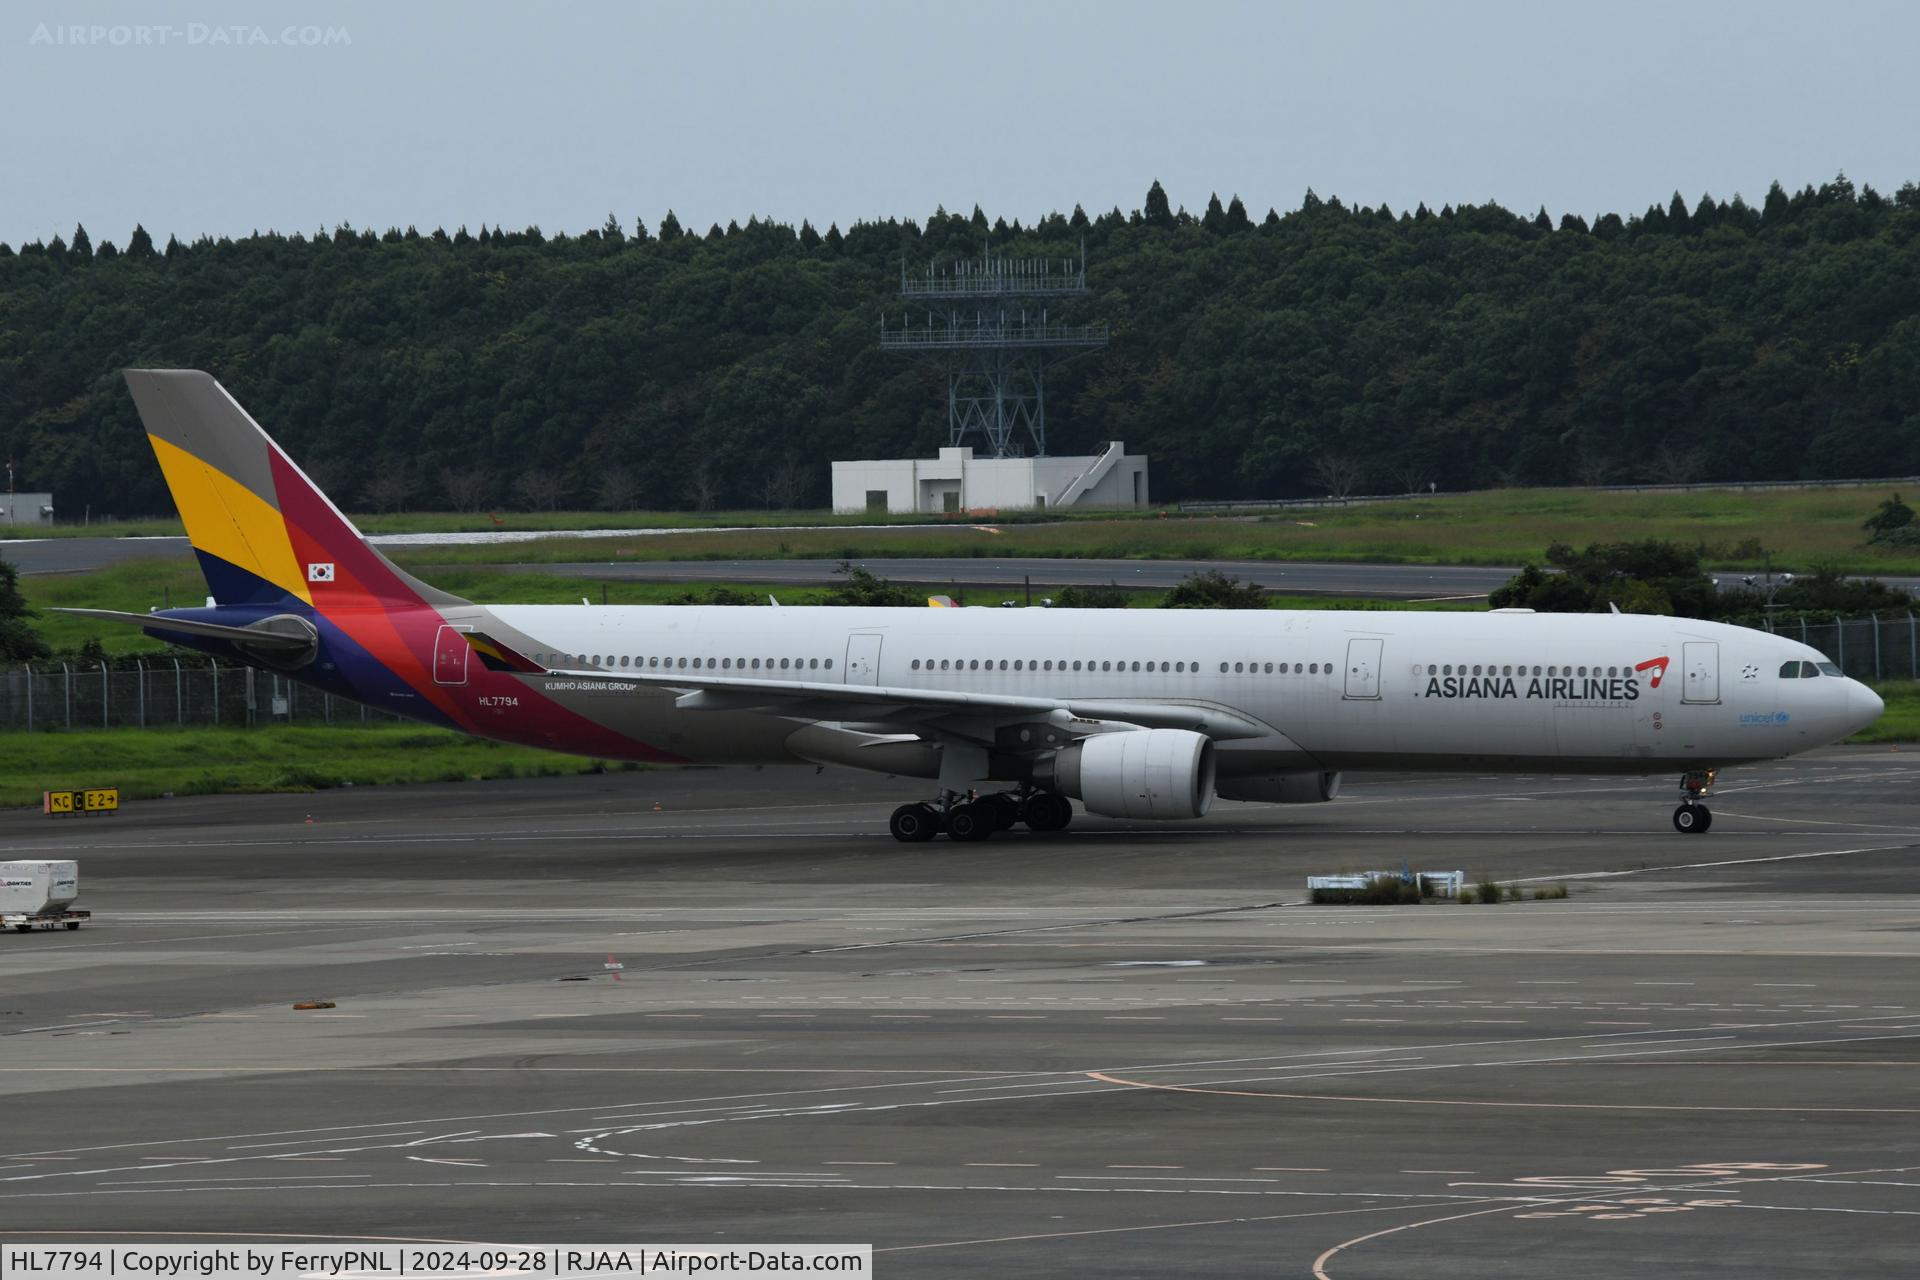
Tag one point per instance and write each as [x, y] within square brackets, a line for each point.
[1125, 1050]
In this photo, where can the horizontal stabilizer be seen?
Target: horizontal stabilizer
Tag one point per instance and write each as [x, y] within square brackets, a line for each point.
[253, 637]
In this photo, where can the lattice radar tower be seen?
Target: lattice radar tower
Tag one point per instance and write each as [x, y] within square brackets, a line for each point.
[991, 325]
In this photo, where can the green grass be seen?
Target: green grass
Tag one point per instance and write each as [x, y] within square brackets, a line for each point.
[137, 586]
[1802, 528]
[145, 763]
[1900, 722]
[528, 521]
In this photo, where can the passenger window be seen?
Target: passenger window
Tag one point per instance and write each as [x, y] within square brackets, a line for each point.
[1223, 668]
[1476, 668]
[1003, 664]
[1313, 668]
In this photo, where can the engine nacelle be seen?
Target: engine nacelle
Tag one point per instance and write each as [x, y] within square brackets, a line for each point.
[1140, 773]
[1283, 788]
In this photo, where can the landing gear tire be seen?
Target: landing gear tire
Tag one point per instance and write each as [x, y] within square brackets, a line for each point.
[913, 823]
[1006, 809]
[1048, 811]
[974, 820]
[1692, 819]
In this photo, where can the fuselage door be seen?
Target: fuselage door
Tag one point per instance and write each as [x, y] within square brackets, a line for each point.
[1363, 668]
[450, 653]
[863, 659]
[1701, 659]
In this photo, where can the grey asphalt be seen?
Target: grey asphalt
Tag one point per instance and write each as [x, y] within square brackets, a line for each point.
[1126, 1050]
[73, 555]
[1373, 581]
[1381, 581]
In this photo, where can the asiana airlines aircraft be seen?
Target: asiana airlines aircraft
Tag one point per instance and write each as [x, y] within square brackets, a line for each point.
[1009, 714]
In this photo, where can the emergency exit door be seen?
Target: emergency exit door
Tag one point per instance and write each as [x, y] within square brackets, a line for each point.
[863, 660]
[1701, 660]
[450, 653]
[1363, 668]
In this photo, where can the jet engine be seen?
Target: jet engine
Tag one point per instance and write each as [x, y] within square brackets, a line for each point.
[1139, 773]
[1283, 788]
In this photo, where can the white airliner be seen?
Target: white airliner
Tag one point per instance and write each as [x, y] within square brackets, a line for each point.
[1008, 713]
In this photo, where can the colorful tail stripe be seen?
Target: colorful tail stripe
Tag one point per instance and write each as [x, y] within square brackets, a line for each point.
[268, 540]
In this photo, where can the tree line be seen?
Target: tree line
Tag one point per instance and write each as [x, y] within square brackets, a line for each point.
[1332, 348]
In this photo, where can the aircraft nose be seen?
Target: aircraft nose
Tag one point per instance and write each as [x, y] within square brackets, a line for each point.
[1863, 705]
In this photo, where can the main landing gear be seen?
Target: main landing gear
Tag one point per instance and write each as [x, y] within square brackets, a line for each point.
[1693, 818]
[977, 817]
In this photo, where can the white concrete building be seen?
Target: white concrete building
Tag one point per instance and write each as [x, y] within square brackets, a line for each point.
[958, 481]
[25, 508]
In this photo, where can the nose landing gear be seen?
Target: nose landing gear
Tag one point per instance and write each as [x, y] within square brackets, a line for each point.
[1693, 818]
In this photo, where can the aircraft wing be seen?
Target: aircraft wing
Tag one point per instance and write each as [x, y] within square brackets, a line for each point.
[820, 700]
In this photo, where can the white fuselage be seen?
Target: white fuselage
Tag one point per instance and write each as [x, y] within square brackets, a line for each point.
[1340, 690]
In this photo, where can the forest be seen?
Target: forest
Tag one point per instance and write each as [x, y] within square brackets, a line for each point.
[1334, 348]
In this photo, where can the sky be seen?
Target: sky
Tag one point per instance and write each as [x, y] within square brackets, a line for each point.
[222, 118]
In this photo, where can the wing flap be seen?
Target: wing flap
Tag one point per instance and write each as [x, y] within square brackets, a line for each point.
[819, 700]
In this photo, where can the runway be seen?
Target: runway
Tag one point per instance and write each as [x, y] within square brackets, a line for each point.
[1124, 1050]
[1376, 581]
[1011, 575]
[1381, 581]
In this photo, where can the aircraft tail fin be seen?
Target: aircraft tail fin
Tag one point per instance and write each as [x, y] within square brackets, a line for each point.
[263, 532]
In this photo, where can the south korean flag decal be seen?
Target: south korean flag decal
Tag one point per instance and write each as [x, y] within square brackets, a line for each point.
[320, 573]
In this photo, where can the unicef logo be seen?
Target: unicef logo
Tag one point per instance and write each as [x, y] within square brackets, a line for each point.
[1779, 717]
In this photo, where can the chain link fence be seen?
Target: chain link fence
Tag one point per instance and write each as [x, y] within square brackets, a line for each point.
[164, 691]
[1876, 647]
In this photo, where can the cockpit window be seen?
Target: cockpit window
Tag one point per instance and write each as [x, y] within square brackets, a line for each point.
[1828, 668]
[1790, 670]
